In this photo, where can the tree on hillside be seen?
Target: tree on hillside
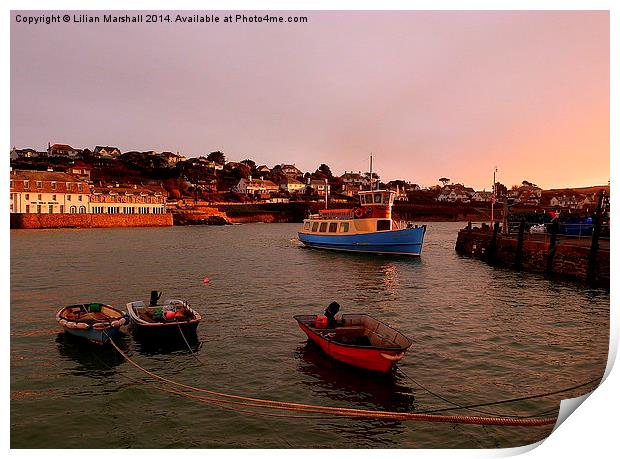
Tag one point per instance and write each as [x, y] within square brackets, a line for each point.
[526, 183]
[325, 171]
[217, 157]
[500, 189]
[248, 162]
[444, 180]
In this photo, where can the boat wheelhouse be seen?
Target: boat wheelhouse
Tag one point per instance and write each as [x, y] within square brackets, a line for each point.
[367, 228]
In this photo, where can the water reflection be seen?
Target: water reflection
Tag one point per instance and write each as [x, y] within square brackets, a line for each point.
[344, 383]
[94, 360]
[167, 343]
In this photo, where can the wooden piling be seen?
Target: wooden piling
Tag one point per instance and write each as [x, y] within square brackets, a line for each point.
[596, 233]
[490, 254]
[519, 251]
[553, 229]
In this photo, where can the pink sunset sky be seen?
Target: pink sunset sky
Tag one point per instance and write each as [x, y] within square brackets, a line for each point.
[431, 94]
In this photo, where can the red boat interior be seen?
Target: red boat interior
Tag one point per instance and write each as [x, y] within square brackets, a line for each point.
[358, 330]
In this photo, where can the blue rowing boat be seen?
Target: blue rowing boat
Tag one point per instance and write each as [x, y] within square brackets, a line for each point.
[368, 228]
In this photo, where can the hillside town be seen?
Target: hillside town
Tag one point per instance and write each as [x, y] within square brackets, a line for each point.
[104, 180]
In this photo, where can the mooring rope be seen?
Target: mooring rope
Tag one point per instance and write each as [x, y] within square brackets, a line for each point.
[348, 412]
[458, 406]
[188, 346]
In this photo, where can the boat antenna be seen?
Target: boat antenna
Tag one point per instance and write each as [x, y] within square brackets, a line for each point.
[326, 192]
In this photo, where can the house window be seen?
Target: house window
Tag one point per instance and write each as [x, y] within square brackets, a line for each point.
[344, 227]
[323, 227]
[68, 197]
[54, 186]
[62, 209]
[38, 209]
[79, 187]
[315, 227]
[51, 209]
[82, 209]
[27, 208]
[39, 197]
[333, 227]
[79, 197]
[68, 186]
[11, 183]
[26, 184]
[53, 197]
[72, 210]
[39, 184]
[27, 196]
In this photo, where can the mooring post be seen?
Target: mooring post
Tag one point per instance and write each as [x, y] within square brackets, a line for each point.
[519, 252]
[596, 233]
[553, 229]
[490, 254]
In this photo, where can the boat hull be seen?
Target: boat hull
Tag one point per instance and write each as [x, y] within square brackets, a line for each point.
[94, 336]
[159, 331]
[367, 358]
[396, 242]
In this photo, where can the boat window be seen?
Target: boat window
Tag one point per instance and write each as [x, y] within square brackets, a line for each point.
[383, 225]
[307, 225]
[323, 227]
[377, 198]
[392, 199]
[344, 227]
[333, 227]
[315, 226]
[386, 198]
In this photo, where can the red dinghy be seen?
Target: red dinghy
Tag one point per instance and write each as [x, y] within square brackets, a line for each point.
[356, 339]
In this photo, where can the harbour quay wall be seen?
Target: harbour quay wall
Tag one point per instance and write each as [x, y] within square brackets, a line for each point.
[567, 258]
[46, 221]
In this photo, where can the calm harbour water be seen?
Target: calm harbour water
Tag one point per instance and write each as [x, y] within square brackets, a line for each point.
[480, 334]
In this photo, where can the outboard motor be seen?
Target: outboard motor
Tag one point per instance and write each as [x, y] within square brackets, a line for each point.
[331, 312]
[155, 295]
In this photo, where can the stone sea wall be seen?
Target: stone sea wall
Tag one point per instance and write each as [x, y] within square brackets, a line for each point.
[567, 260]
[41, 221]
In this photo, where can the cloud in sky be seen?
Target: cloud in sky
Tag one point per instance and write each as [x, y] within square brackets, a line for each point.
[430, 94]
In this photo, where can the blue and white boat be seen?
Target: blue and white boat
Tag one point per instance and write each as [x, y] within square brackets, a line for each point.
[95, 322]
[368, 228]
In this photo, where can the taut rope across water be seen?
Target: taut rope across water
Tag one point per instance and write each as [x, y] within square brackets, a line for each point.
[223, 398]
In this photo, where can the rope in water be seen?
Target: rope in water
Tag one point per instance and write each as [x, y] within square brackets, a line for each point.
[347, 412]
[479, 405]
[188, 346]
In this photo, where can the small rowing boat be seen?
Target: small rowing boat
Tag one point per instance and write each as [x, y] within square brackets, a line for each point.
[162, 318]
[355, 339]
[95, 322]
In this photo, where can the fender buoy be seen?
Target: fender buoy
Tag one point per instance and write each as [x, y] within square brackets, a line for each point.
[359, 212]
[368, 210]
[205, 280]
